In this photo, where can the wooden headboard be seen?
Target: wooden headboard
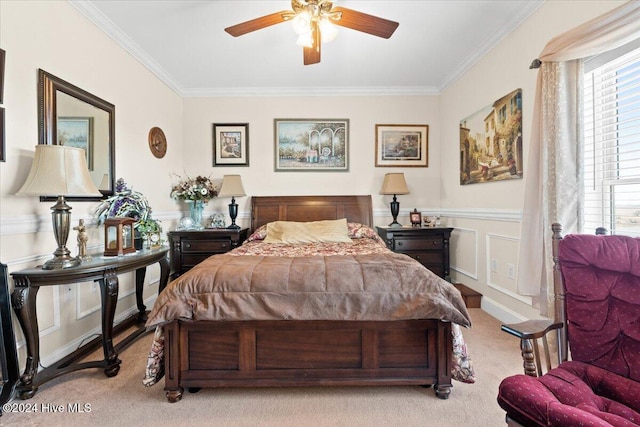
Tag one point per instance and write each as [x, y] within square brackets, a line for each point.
[265, 209]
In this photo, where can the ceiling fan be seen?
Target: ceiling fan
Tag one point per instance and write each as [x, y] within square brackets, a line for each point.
[312, 18]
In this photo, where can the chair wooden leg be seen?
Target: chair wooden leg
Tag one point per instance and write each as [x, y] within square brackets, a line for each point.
[547, 354]
[536, 353]
[529, 365]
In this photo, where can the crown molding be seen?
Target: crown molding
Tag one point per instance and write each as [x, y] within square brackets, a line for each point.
[311, 91]
[490, 43]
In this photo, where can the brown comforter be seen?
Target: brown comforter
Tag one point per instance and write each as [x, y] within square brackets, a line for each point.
[370, 282]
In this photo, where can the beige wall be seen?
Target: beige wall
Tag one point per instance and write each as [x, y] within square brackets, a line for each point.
[363, 113]
[487, 216]
[52, 35]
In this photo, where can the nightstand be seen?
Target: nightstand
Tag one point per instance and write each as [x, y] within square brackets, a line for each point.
[189, 247]
[428, 245]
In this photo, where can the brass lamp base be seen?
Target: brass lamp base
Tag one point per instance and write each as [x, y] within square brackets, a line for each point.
[61, 218]
[58, 263]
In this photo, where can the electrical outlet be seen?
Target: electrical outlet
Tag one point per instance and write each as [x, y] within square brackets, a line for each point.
[512, 271]
[494, 266]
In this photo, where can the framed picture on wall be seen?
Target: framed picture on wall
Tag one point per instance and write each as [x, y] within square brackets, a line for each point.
[402, 146]
[2, 55]
[491, 142]
[231, 144]
[311, 145]
[77, 132]
[2, 149]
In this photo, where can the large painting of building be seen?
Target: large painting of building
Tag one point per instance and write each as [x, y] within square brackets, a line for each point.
[491, 142]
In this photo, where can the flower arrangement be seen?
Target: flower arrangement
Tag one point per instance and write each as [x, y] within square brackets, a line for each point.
[199, 188]
[124, 203]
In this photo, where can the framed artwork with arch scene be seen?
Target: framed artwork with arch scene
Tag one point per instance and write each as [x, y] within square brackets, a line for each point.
[311, 145]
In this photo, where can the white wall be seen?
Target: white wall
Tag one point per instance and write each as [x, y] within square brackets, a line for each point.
[54, 36]
[487, 216]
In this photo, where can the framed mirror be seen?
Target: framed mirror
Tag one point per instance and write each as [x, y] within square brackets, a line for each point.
[68, 115]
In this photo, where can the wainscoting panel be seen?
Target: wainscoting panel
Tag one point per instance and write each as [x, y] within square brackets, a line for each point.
[502, 264]
[463, 248]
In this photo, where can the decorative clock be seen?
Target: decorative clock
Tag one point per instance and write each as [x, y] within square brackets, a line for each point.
[157, 142]
[118, 236]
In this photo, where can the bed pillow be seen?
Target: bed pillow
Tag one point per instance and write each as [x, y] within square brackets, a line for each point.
[328, 231]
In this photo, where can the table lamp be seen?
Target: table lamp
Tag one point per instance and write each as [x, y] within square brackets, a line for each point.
[59, 171]
[395, 184]
[232, 186]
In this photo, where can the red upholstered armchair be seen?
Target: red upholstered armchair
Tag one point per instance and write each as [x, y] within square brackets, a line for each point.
[597, 287]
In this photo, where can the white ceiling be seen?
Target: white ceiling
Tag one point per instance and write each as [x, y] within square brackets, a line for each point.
[185, 45]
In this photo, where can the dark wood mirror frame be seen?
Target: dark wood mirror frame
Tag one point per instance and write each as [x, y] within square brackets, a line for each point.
[48, 88]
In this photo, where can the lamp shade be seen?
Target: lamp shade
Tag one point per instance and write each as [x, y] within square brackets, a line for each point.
[394, 183]
[231, 186]
[105, 184]
[58, 170]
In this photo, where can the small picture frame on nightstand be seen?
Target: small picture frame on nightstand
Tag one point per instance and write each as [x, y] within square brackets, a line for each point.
[416, 218]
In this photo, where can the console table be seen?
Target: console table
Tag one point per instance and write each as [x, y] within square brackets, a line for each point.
[104, 271]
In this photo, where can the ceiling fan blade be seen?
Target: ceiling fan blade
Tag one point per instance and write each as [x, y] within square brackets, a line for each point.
[364, 22]
[311, 55]
[258, 23]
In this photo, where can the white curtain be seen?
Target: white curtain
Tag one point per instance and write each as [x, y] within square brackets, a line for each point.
[553, 176]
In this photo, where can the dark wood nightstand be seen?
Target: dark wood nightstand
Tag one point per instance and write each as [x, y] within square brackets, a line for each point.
[189, 247]
[429, 246]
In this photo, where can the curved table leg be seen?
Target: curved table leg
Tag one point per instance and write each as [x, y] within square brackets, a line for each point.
[142, 309]
[109, 294]
[23, 299]
[164, 273]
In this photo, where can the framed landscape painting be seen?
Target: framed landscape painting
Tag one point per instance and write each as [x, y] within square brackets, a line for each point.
[311, 145]
[2, 56]
[77, 132]
[402, 145]
[2, 149]
[231, 144]
[491, 142]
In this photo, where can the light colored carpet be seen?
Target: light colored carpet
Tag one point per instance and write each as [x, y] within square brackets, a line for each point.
[124, 401]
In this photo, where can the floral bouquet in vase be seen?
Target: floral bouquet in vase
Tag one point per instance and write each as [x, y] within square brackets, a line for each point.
[196, 192]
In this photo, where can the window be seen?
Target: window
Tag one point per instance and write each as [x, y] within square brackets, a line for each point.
[612, 142]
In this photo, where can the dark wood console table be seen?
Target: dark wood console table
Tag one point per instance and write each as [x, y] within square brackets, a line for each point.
[104, 271]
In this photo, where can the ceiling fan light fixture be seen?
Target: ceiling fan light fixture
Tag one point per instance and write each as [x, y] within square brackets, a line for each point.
[314, 20]
[328, 31]
[301, 23]
[306, 39]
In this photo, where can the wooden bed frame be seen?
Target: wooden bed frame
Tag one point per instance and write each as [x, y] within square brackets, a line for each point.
[307, 353]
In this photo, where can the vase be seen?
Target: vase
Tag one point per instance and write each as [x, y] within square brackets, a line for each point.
[195, 212]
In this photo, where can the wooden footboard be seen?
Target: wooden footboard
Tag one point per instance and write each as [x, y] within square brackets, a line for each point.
[307, 353]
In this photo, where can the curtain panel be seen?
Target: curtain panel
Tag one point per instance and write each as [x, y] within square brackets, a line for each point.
[553, 186]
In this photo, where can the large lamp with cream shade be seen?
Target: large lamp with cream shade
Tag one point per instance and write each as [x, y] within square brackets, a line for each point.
[232, 187]
[394, 183]
[59, 171]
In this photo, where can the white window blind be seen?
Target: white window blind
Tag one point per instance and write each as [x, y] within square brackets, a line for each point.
[612, 145]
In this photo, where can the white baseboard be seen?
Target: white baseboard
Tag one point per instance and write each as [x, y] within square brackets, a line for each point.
[501, 312]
